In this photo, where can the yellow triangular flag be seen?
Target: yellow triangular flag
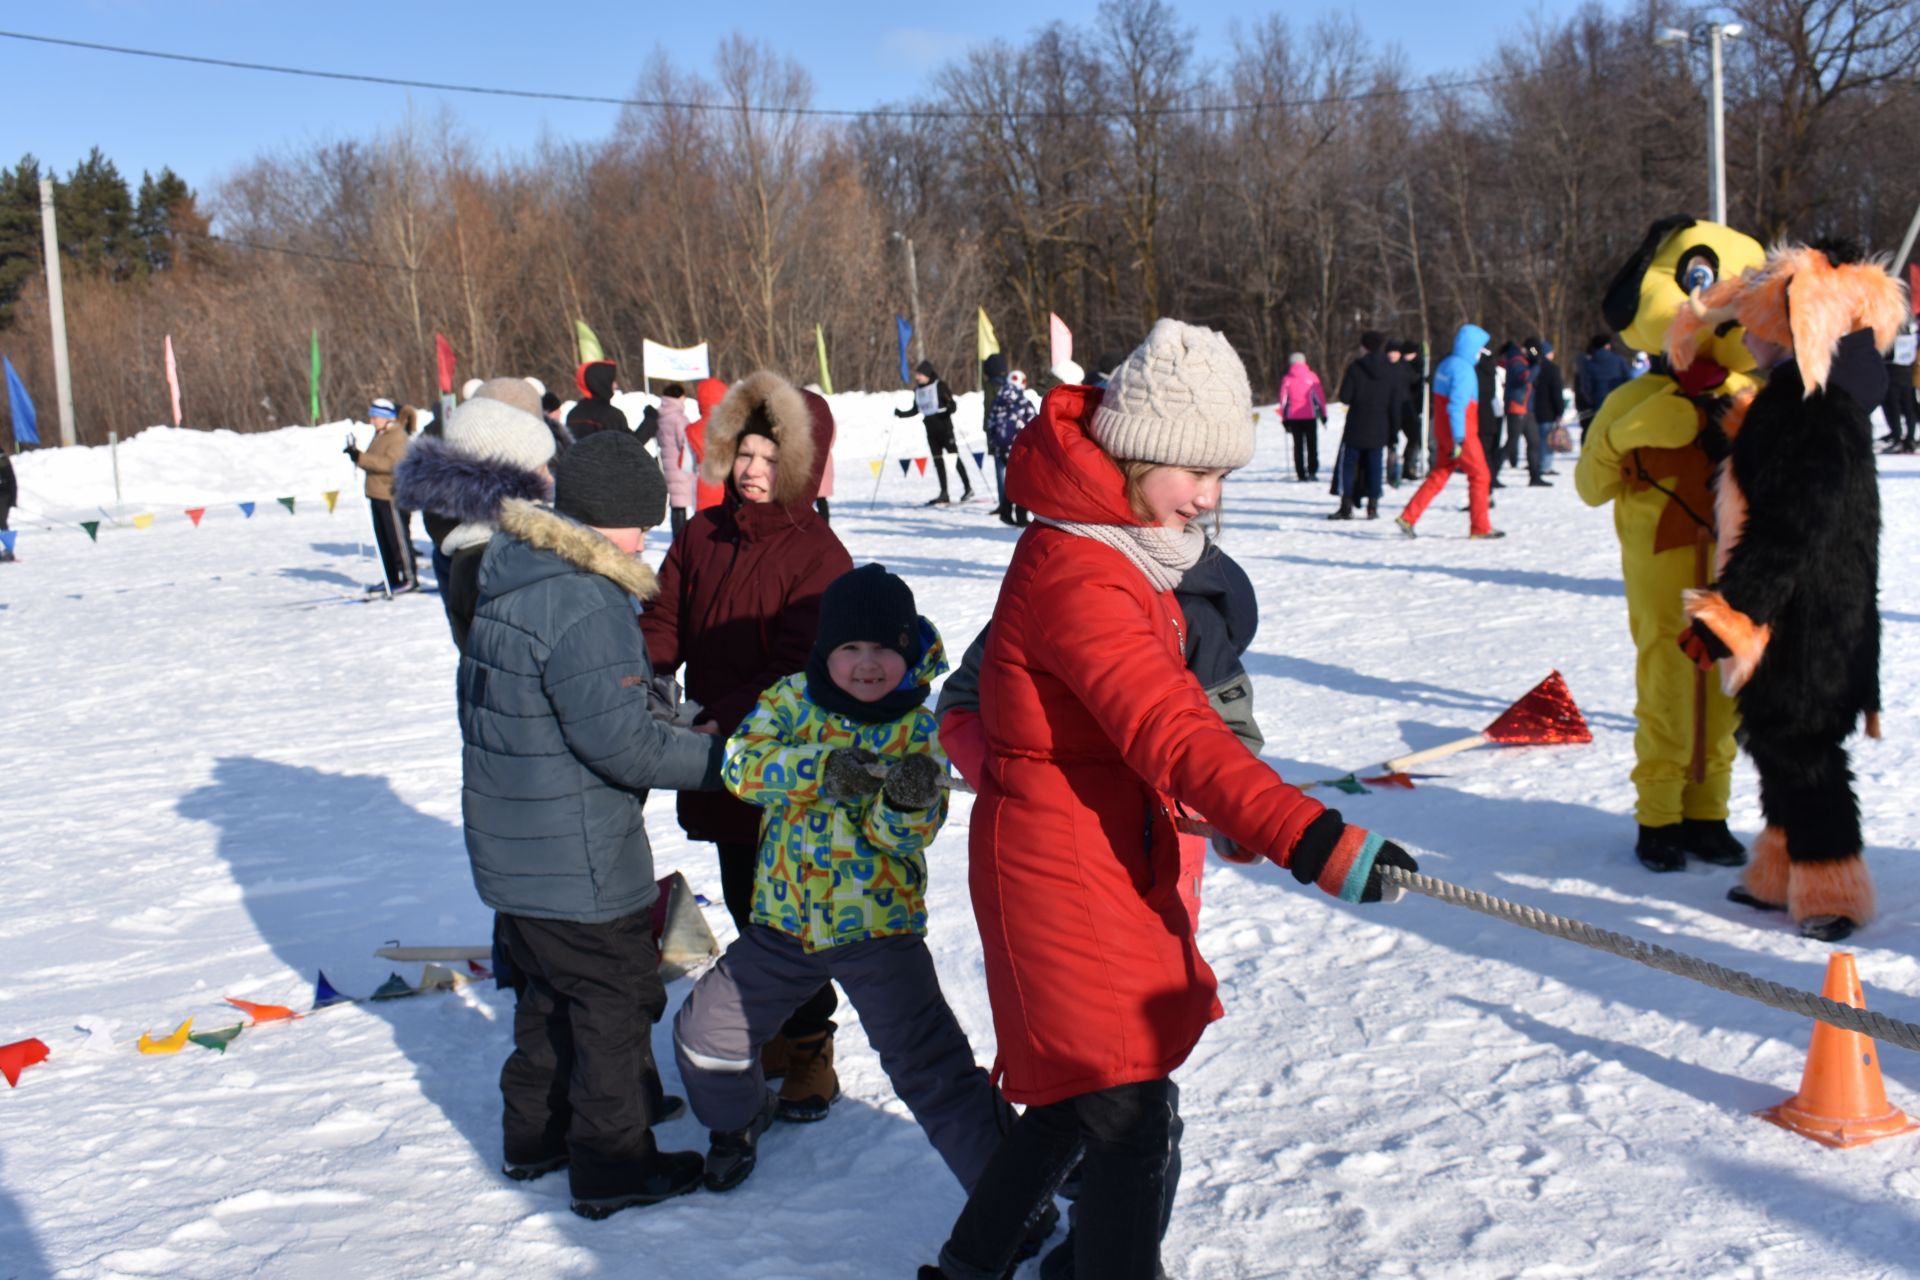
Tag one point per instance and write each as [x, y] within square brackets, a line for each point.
[332, 496]
[989, 344]
[172, 1044]
[588, 344]
[142, 520]
[876, 465]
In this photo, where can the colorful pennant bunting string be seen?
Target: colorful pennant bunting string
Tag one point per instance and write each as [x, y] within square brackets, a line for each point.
[172, 1044]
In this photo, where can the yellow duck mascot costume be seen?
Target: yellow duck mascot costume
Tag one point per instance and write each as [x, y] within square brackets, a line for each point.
[1643, 454]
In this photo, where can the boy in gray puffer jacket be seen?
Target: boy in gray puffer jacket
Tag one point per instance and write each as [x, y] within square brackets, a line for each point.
[560, 749]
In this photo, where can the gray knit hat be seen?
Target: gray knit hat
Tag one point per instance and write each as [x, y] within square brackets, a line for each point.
[494, 430]
[1182, 398]
[517, 392]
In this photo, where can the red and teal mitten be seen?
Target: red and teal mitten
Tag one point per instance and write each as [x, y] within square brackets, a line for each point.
[1345, 860]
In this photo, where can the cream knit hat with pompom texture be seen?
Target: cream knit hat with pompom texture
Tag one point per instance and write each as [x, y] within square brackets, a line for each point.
[1182, 399]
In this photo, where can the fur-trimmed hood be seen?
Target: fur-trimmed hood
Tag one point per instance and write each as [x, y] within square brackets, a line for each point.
[576, 544]
[436, 477]
[802, 427]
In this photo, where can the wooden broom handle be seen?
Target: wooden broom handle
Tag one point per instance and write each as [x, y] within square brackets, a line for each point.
[1400, 764]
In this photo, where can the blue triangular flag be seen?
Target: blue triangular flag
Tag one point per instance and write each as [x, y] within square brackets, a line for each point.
[393, 989]
[324, 994]
[904, 464]
[25, 424]
[6, 539]
[979, 459]
[248, 508]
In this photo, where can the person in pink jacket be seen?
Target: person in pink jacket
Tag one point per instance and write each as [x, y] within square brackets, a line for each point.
[677, 464]
[1303, 408]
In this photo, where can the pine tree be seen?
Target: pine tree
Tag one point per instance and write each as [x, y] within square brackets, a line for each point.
[168, 226]
[19, 232]
[96, 218]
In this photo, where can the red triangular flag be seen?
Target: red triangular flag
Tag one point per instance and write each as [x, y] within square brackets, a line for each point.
[1544, 717]
[18, 1056]
[922, 464]
[262, 1012]
[194, 514]
[1390, 780]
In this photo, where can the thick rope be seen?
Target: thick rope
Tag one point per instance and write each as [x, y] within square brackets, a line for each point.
[1791, 999]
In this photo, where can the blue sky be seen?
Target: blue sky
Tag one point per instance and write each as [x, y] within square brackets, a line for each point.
[206, 121]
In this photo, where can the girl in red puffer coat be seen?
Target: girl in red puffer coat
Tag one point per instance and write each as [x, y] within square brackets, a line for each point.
[1095, 732]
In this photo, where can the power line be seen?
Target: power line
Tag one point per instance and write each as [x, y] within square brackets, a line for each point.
[872, 113]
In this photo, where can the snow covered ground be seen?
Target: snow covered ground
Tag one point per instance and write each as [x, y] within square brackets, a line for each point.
[212, 790]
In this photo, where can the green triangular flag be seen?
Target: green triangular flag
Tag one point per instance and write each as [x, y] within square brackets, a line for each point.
[288, 504]
[1349, 784]
[826, 378]
[589, 345]
[92, 527]
[394, 988]
[217, 1040]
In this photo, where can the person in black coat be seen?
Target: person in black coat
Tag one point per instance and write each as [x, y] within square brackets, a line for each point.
[1549, 392]
[1493, 413]
[1600, 373]
[933, 403]
[595, 410]
[1793, 621]
[1407, 423]
[1371, 388]
[9, 494]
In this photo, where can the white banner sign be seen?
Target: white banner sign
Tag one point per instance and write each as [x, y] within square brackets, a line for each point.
[673, 364]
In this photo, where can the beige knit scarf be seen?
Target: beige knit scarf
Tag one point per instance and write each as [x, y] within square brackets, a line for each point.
[1162, 554]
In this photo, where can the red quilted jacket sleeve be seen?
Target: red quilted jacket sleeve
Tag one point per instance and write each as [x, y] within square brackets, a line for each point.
[1104, 634]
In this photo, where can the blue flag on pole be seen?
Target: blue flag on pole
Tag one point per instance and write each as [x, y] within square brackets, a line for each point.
[906, 331]
[26, 426]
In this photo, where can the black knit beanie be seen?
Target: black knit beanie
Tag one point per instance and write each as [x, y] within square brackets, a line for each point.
[610, 481]
[869, 603]
[1372, 340]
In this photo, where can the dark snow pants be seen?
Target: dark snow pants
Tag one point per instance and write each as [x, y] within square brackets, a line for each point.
[1127, 1142]
[1306, 446]
[581, 1079]
[740, 1003]
[737, 862]
[391, 535]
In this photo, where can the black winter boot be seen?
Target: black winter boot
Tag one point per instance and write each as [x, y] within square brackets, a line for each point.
[1709, 840]
[1661, 848]
[603, 1188]
[732, 1156]
[1345, 512]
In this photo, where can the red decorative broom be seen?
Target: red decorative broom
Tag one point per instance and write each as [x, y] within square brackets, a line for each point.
[1546, 716]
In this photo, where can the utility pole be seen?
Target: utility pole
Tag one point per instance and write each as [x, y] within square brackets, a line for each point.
[913, 297]
[56, 304]
[1714, 33]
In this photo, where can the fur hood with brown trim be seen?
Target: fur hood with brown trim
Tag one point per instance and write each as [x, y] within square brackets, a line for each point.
[576, 544]
[801, 425]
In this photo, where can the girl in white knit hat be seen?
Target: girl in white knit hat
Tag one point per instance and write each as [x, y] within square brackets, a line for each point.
[1096, 733]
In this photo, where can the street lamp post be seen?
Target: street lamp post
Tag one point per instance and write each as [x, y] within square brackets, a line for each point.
[913, 294]
[1713, 33]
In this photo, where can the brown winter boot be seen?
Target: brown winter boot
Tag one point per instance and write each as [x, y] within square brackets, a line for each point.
[811, 1085]
[775, 1057]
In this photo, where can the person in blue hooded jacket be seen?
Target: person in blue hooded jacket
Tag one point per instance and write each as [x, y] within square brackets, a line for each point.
[1456, 436]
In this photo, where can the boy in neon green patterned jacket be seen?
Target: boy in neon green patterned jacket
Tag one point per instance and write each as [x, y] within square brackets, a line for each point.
[839, 892]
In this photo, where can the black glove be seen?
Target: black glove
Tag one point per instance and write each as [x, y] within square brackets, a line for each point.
[914, 783]
[844, 776]
[1345, 860]
[352, 450]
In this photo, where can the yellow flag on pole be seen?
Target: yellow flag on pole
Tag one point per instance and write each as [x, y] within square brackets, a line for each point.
[989, 343]
[826, 378]
[589, 345]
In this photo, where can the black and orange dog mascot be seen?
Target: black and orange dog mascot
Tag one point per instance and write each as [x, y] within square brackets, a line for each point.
[1793, 621]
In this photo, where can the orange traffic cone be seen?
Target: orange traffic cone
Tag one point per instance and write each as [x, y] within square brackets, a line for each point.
[1842, 1102]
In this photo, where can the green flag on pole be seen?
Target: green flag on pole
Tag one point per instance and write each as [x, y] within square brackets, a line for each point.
[589, 345]
[826, 378]
[313, 383]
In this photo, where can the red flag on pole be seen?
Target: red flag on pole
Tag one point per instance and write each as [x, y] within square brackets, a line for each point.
[173, 381]
[1913, 286]
[443, 355]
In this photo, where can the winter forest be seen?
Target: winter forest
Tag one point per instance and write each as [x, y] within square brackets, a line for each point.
[1301, 189]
